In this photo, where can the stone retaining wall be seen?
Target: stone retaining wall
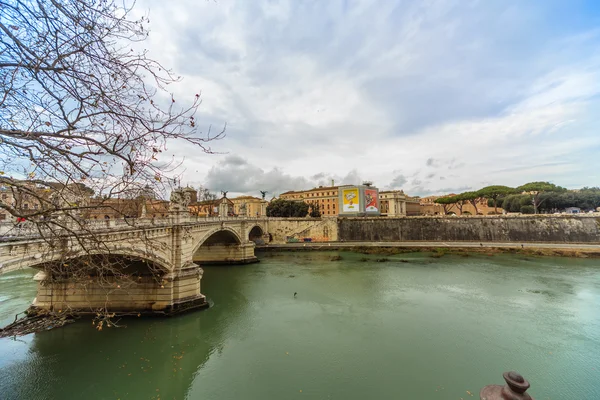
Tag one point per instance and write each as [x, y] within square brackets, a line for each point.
[321, 229]
[564, 229]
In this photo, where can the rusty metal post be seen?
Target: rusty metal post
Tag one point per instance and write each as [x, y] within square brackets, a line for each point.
[515, 389]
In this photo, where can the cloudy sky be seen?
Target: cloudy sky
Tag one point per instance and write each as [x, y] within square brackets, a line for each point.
[426, 96]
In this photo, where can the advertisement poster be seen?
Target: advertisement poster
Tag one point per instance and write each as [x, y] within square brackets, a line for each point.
[371, 200]
[350, 200]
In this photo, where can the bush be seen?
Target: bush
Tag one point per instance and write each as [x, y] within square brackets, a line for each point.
[513, 203]
[528, 209]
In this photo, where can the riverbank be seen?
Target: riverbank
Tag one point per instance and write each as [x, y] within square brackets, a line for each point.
[582, 250]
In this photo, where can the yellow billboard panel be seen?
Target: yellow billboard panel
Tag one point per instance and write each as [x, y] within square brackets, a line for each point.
[350, 200]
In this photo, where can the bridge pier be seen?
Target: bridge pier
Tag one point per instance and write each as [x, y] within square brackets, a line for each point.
[172, 293]
[230, 253]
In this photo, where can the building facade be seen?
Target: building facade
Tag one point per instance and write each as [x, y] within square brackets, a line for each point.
[325, 196]
[395, 203]
[28, 198]
[392, 203]
[212, 208]
[108, 209]
[249, 206]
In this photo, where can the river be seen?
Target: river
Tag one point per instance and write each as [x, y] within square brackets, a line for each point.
[414, 327]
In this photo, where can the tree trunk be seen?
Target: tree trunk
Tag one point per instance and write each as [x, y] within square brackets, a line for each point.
[474, 202]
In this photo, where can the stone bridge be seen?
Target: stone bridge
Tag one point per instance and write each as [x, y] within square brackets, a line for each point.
[161, 257]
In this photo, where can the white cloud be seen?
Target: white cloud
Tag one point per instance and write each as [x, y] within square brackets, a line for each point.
[468, 91]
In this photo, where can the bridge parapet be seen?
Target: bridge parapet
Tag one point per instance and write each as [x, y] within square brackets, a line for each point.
[29, 230]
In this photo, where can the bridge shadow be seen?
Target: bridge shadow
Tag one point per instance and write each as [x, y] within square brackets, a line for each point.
[152, 358]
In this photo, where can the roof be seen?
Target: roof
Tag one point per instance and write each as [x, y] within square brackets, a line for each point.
[210, 202]
[245, 198]
[322, 188]
[392, 191]
[311, 190]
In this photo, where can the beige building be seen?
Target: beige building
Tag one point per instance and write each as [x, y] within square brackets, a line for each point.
[211, 208]
[249, 206]
[30, 198]
[107, 209]
[325, 196]
[391, 203]
[394, 203]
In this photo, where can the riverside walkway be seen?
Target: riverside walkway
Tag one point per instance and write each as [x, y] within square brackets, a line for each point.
[583, 247]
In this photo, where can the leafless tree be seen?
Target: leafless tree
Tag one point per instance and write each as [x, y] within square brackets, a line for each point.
[83, 109]
[204, 194]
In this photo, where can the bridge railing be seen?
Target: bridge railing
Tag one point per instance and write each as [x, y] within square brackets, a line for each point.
[10, 231]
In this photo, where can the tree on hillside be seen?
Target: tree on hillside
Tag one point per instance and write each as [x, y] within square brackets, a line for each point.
[589, 198]
[586, 199]
[528, 209]
[535, 189]
[470, 197]
[514, 202]
[449, 201]
[287, 208]
[494, 192]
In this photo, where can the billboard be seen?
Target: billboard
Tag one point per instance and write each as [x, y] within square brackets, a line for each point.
[350, 200]
[371, 200]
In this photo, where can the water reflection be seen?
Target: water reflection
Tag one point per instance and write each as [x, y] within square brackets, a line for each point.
[147, 359]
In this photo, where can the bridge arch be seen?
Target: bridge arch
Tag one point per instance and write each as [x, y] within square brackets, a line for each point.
[224, 245]
[44, 261]
[256, 233]
[219, 236]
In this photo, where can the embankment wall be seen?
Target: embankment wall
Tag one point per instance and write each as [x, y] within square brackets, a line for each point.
[318, 229]
[564, 229]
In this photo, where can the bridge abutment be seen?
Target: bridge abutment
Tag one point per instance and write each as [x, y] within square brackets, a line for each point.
[226, 254]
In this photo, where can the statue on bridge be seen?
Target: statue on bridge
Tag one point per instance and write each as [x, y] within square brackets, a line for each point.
[264, 193]
[243, 209]
[179, 200]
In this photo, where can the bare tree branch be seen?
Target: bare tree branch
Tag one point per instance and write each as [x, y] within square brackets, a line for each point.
[84, 113]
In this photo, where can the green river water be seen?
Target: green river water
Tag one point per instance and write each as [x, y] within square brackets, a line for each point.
[429, 328]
